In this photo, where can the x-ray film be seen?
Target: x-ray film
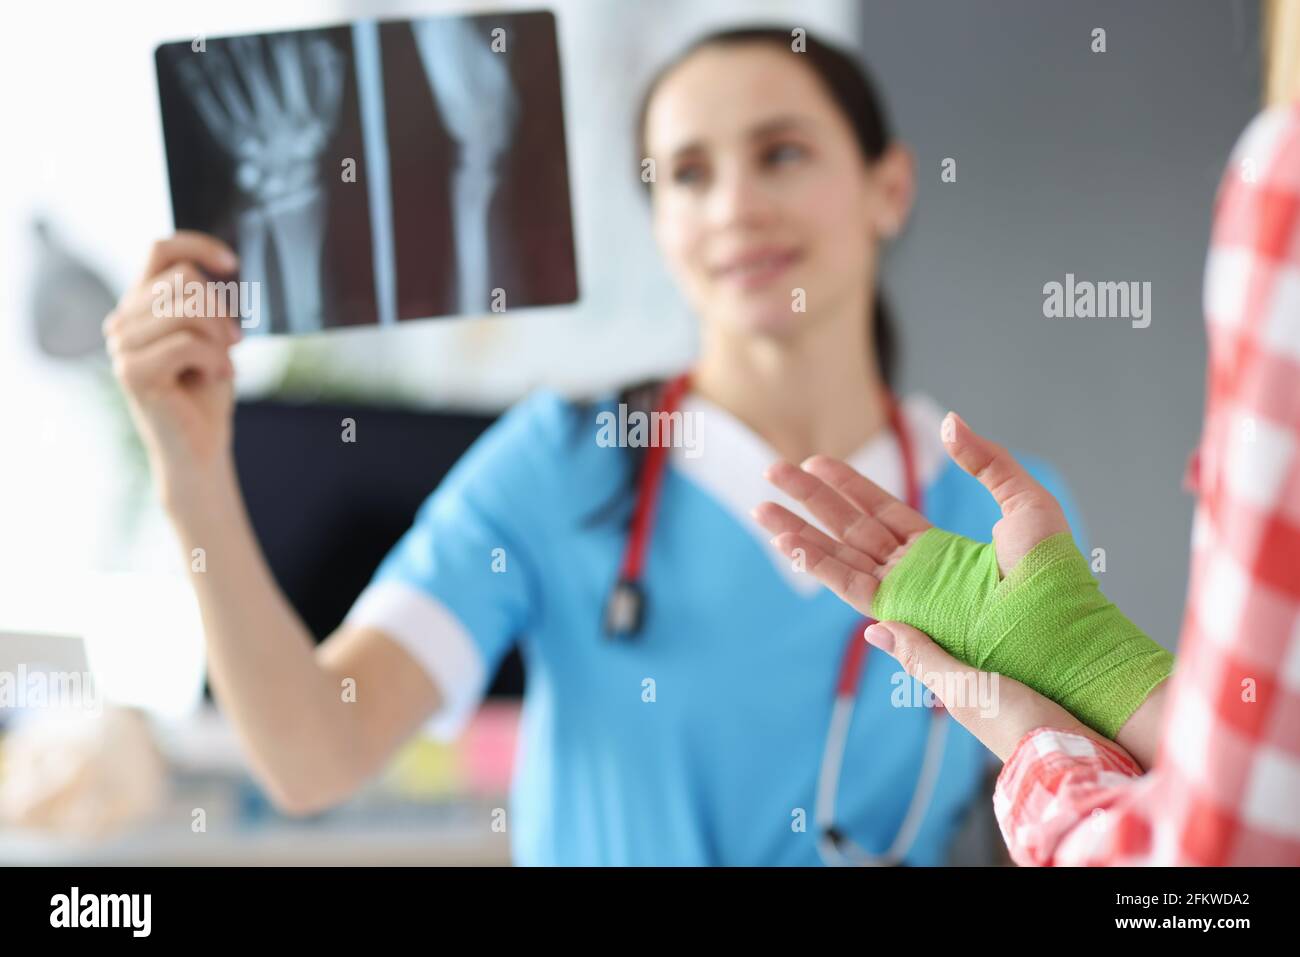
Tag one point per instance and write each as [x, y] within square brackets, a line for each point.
[377, 172]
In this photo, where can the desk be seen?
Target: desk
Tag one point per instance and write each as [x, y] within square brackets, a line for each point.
[377, 827]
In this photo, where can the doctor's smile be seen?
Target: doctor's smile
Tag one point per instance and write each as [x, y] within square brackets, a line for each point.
[631, 435]
[755, 268]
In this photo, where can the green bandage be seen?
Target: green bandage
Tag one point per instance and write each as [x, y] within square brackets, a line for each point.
[1047, 624]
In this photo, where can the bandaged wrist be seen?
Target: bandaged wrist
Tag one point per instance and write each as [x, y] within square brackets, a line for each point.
[1047, 624]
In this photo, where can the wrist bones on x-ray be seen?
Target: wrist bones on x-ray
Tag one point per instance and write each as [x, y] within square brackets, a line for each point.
[275, 132]
[477, 100]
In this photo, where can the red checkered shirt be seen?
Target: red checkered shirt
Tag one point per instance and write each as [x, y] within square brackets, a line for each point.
[1225, 787]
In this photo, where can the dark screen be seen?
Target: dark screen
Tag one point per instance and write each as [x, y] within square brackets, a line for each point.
[326, 513]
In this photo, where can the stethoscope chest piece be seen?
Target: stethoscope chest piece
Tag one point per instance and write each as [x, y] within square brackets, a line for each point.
[624, 610]
[624, 615]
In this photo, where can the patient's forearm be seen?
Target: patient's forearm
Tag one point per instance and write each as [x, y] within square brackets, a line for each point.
[1140, 734]
[288, 712]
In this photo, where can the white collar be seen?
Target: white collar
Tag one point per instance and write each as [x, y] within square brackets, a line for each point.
[729, 460]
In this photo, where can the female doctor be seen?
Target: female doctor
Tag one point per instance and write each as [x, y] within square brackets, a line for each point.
[692, 696]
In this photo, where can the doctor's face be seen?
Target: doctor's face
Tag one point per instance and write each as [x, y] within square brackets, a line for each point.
[761, 191]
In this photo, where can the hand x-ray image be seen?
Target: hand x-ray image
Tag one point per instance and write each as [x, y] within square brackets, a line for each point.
[377, 172]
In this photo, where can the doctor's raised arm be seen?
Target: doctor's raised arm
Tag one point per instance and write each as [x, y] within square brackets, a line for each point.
[308, 748]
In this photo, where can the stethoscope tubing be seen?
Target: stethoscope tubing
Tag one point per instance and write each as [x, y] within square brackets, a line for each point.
[625, 614]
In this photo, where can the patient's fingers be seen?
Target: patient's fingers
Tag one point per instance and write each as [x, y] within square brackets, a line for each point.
[845, 520]
[778, 520]
[900, 518]
[998, 710]
[853, 586]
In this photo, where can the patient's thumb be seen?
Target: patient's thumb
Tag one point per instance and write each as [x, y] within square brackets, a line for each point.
[1011, 486]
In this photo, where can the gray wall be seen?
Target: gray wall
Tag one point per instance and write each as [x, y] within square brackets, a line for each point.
[1100, 164]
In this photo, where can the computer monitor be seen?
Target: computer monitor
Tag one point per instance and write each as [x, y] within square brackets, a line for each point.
[327, 512]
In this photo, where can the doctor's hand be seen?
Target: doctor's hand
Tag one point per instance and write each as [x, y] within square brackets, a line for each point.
[173, 364]
[998, 710]
[871, 530]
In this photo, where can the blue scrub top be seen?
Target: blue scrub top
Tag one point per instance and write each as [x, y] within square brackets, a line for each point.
[699, 741]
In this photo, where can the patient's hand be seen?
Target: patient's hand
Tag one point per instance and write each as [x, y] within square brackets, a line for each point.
[872, 530]
[1000, 722]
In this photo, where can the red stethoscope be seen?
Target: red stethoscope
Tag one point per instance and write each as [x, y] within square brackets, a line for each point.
[625, 613]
